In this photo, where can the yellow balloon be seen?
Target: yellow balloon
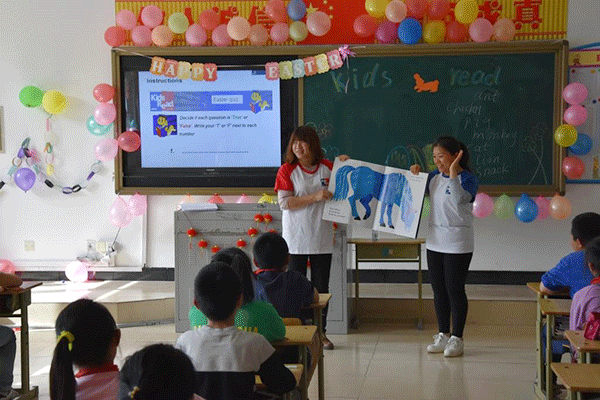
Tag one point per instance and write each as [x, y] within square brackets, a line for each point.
[54, 102]
[178, 23]
[376, 8]
[298, 31]
[565, 135]
[434, 32]
[466, 11]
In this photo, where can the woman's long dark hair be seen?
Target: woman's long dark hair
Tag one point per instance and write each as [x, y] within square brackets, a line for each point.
[93, 329]
[453, 146]
[309, 135]
[239, 261]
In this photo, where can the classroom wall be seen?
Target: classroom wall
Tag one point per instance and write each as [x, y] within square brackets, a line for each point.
[62, 48]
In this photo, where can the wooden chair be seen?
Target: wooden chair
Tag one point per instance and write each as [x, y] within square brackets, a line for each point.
[291, 321]
[296, 370]
[578, 378]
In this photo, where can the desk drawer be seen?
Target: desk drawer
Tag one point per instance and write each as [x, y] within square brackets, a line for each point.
[387, 251]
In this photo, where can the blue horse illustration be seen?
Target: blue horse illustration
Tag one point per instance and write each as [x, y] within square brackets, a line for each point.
[367, 184]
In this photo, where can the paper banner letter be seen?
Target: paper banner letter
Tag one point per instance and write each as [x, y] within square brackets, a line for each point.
[322, 64]
[310, 68]
[285, 70]
[298, 68]
[210, 72]
[171, 69]
[272, 71]
[335, 60]
[184, 71]
[158, 65]
[198, 71]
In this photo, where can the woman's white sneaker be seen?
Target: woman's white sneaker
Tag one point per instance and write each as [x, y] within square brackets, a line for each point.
[454, 348]
[439, 343]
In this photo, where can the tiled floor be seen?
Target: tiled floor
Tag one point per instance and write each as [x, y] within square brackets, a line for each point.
[377, 362]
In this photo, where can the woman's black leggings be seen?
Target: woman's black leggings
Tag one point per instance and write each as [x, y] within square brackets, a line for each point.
[320, 269]
[448, 274]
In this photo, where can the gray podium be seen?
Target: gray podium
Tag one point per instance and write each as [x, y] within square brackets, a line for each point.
[224, 227]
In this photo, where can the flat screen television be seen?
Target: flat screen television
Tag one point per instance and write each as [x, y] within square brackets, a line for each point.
[198, 136]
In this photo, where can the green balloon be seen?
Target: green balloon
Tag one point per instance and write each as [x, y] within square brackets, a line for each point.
[504, 207]
[426, 208]
[97, 129]
[31, 96]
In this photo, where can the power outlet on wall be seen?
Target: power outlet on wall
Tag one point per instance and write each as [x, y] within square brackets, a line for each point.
[29, 245]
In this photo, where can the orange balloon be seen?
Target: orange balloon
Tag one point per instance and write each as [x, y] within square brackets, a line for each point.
[560, 207]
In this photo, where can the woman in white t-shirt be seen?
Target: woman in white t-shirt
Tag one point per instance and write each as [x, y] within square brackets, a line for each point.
[301, 187]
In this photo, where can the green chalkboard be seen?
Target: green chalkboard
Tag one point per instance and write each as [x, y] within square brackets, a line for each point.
[502, 100]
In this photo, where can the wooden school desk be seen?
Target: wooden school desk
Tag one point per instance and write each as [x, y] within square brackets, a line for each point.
[585, 347]
[296, 370]
[578, 378]
[552, 308]
[388, 250]
[11, 300]
[318, 319]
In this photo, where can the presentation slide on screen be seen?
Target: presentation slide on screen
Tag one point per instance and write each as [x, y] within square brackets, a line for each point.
[231, 122]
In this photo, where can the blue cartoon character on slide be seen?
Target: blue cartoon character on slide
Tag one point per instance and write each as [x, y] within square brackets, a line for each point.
[165, 125]
[258, 103]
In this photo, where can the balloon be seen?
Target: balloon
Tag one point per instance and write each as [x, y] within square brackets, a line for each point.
[526, 210]
[244, 199]
[24, 178]
[238, 28]
[31, 96]
[54, 102]
[395, 11]
[105, 113]
[126, 19]
[298, 31]
[185, 199]
[106, 149]
[504, 207]
[119, 213]
[318, 23]
[275, 9]
[426, 207]
[365, 25]
[195, 35]
[220, 37]
[280, 32]
[466, 11]
[97, 129]
[114, 36]
[162, 36]
[565, 135]
[575, 115]
[216, 199]
[409, 31]
[573, 167]
[209, 19]
[456, 32]
[560, 207]
[575, 93]
[504, 30]
[152, 16]
[77, 271]
[481, 30]
[376, 8]
[483, 205]
[438, 9]
[386, 32]
[141, 35]
[103, 92]
[129, 141]
[296, 10]
[258, 35]
[434, 32]
[178, 23]
[137, 204]
[7, 267]
[543, 207]
[416, 8]
[582, 145]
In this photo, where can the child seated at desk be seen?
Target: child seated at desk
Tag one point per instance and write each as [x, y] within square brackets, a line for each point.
[8, 344]
[226, 358]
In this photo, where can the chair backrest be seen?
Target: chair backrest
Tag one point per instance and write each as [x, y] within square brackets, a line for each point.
[291, 321]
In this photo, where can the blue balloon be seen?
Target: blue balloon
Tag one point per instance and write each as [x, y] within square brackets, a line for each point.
[526, 210]
[582, 146]
[97, 129]
[410, 31]
[296, 10]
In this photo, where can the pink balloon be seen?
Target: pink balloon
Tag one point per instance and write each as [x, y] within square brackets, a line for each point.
[575, 115]
[483, 205]
[560, 207]
[280, 32]
[152, 16]
[238, 28]
[137, 204]
[103, 92]
[504, 30]
[105, 113]
[481, 30]
[575, 93]
[77, 271]
[365, 25]
[126, 19]
[195, 35]
[209, 19]
[386, 32]
[141, 35]
[244, 199]
[220, 37]
[318, 23]
[114, 36]
[162, 36]
[543, 207]
[119, 213]
[416, 8]
[129, 141]
[438, 9]
[258, 35]
[395, 11]
[106, 149]
[276, 10]
[573, 167]
[7, 267]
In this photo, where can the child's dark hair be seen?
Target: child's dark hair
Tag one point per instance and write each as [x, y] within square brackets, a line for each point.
[592, 255]
[239, 261]
[585, 227]
[86, 330]
[309, 135]
[453, 146]
[271, 251]
[157, 372]
[217, 289]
